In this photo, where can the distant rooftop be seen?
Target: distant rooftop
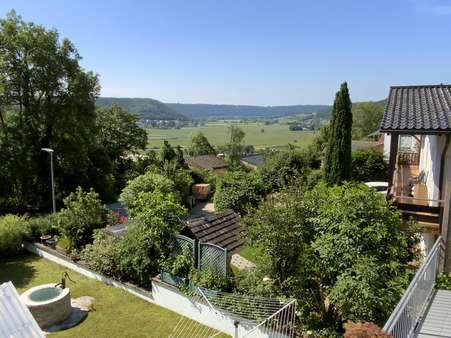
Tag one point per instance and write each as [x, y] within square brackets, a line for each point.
[255, 160]
[422, 109]
[206, 162]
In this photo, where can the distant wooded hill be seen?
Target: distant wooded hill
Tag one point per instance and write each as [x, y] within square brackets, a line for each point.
[225, 111]
[148, 109]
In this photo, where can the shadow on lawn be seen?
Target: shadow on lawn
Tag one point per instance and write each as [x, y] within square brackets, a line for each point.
[18, 270]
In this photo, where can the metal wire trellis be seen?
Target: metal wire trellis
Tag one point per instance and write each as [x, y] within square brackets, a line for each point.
[188, 328]
[261, 316]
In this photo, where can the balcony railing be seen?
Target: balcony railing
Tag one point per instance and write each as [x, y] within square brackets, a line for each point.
[410, 309]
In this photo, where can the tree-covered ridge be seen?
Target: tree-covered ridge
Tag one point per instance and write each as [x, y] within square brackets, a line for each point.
[228, 111]
[147, 109]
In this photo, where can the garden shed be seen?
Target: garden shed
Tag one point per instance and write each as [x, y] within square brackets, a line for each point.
[222, 229]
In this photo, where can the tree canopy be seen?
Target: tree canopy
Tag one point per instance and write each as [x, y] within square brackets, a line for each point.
[339, 250]
[367, 117]
[200, 146]
[235, 147]
[47, 100]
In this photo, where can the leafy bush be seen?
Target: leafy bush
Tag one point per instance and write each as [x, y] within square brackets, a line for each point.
[238, 191]
[444, 281]
[362, 252]
[179, 265]
[369, 165]
[145, 183]
[83, 214]
[208, 279]
[157, 204]
[283, 167]
[338, 250]
[145, 247]
[13, 230]
[46, 225]
[104, 254]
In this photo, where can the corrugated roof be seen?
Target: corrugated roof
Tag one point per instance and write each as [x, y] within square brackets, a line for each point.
[15, 318]
[423, 109]
[221, 229]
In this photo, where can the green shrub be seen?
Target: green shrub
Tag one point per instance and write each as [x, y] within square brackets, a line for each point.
[145, 247]
[157, 204]
[208, 279]
[369, 165]
[179, 265]
[13, 230]
[145, 183]
[283, 167]
[104, 254]
[444, 281]
[239, 191]
[45, 225]
[83, 214]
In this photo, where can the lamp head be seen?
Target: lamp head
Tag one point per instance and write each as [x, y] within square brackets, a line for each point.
[47, 150]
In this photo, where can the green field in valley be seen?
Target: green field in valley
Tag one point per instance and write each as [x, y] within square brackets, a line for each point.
[257, 134]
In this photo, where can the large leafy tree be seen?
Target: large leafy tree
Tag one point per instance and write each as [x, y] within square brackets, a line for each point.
[200, 146]
[238, 190]
[235, 147]
[337, 166]
[46, 100]
[339, 250]
[367, 117]
[119, 133]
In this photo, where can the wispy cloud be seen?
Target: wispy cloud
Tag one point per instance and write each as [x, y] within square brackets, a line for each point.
[433, 7]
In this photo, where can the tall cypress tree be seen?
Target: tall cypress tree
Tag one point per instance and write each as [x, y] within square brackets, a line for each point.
[337, 166]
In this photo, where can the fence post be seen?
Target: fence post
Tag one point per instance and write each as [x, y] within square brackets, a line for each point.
[236, 323]
[199, 253]
[227, 262]
[195, 257]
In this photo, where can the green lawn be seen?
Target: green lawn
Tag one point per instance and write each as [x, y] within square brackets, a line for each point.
[116, 313]
[274, 135]
[250, 253]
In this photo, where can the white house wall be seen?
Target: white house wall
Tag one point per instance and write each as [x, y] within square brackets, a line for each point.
[387, 143]
[447, 168]
[430, 163]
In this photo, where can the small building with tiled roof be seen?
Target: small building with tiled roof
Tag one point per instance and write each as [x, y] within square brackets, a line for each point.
[417, 133]
[207, 162]
[222, 229]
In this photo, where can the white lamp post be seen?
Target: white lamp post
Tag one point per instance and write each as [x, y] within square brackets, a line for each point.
[50, 151]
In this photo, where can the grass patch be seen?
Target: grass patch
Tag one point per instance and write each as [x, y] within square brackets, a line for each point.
[116, 313]
[250, 253]
[257, 134]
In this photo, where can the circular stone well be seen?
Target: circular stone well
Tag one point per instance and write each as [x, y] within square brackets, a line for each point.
[48, 304]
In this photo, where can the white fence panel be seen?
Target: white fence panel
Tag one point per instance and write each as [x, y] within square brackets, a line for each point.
[16, 320]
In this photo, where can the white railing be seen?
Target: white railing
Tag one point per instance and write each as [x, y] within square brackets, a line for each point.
[410, 309]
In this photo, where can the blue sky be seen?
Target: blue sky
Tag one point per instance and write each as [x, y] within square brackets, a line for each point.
[252, 52]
